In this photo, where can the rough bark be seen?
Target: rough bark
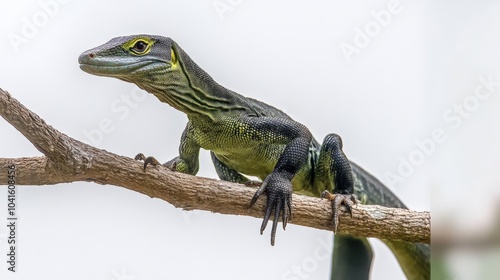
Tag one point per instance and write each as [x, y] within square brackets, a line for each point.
[68, 160]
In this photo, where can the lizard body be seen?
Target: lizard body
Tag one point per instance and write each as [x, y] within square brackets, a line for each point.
[249, 137]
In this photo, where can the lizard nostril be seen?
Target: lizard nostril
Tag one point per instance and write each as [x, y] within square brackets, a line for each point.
[92, 55]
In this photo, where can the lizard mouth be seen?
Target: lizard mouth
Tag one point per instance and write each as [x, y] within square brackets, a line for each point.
[117, 69]
[100, 66]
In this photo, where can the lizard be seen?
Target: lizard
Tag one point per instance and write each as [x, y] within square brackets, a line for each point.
[247, 137]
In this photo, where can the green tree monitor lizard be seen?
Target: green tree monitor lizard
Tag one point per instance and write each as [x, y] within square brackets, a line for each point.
[248, 137]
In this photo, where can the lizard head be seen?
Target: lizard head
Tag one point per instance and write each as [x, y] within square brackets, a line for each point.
[159, 66]
[140, 59]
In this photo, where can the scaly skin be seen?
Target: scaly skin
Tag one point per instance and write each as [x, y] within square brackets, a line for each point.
[246, 136]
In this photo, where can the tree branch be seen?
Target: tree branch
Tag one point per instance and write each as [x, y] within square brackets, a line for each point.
[68, 160]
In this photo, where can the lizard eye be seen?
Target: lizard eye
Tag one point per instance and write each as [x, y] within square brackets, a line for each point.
[140, 46]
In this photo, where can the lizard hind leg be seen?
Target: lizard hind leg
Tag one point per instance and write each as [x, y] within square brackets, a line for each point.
[333, 173]
[226, 173]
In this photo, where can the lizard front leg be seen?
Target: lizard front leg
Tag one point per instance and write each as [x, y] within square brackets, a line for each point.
[188, 159]
[277, 132]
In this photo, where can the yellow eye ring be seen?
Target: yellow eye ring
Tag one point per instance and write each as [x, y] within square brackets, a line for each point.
[139, 46]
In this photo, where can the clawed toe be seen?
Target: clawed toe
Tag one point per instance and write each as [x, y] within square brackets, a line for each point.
[279, 202]
[147, 160]
[348, 200]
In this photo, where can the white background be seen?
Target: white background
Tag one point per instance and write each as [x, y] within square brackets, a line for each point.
[389, 95]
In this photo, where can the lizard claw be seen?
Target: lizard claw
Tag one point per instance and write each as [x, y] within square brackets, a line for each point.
[147, 160]
[348, 200]
[279, 200]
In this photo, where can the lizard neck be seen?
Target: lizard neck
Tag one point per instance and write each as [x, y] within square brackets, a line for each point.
[189, 89]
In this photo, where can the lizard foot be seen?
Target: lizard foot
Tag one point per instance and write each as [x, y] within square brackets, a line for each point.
[348, 200]
[279, 199]
[147, 160]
